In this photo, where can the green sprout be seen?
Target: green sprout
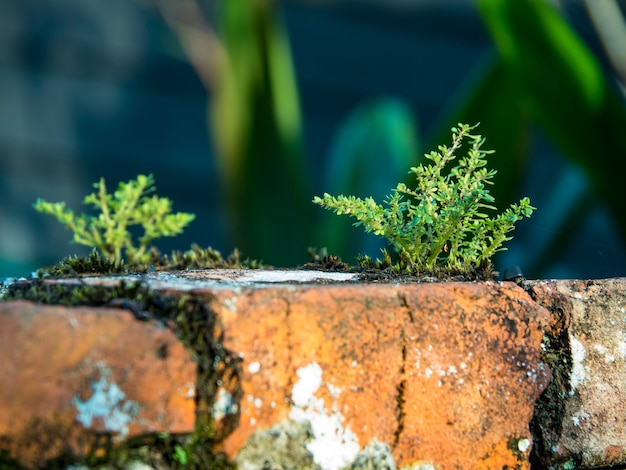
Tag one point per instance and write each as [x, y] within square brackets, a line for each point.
[131, 204]
[442, 222]
[180, 455]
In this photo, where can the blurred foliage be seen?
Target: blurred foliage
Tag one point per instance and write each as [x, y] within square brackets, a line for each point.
[371, 152]
[540, 74]
[544, 75]
[256, 128]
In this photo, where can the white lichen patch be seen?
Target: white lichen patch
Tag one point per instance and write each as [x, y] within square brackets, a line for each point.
[577, 375]
[603, 351]
[223, 405]
[309, 380]
[421, 466]
[231, 304]
[333, 446]
[108, 404]
[580, 416]
[523, 444]
[254, 367]
[334, 391]
[190, 390]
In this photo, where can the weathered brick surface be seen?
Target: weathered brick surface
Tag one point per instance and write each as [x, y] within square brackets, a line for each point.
[581, 420]
[71, 374]
[443, 374]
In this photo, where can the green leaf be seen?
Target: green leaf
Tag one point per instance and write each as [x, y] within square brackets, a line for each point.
[438, 225]
[108, 230]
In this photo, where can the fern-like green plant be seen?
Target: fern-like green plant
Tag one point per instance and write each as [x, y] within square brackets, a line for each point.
[131, 204]
[442, 222]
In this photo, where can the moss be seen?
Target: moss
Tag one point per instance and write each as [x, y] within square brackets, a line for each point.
[7, 462]
[546, 423]
[197, 327]
[375, 456]
[194, 258]
[94, 263]
[396, 269]
[164, 451]
[202, 258]
[283, 446]
[388, 268]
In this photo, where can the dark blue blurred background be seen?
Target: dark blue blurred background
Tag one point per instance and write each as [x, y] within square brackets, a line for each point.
[91, 89]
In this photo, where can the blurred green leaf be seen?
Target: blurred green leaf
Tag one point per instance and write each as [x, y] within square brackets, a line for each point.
[373, 150]
[256, 126]
[564, 90]
[490, 97]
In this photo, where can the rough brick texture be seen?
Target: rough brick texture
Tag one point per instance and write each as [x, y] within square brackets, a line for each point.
[73, 375]
[581, 419]
[445, 374]
[442, 374]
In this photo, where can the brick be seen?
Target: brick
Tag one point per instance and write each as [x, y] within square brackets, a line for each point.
[445, 374]
[580, 419]
[328, 369]
[71, 376]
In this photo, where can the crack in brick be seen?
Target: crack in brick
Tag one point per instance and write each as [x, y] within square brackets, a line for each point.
[405, 304]
[401, 387]
[400, 400]
[289, 364]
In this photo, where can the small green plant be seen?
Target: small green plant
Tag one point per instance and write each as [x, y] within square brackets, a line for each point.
[442, 223]
[180, 455]
[131, 204]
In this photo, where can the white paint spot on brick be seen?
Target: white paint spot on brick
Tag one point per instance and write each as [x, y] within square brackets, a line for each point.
[254, 367]
[191, 390]
[223, 405]
[523, 444]
[310, 379]
[231, 304]
[333, 445]
[334, 391]
[108, 403]
[577, 375]
[576, 418]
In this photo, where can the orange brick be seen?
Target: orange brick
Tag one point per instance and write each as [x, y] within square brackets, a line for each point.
[441, 373]
[69, 374]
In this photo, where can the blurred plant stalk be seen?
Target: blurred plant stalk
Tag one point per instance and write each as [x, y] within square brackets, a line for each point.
[245, 63]
[609, 23]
